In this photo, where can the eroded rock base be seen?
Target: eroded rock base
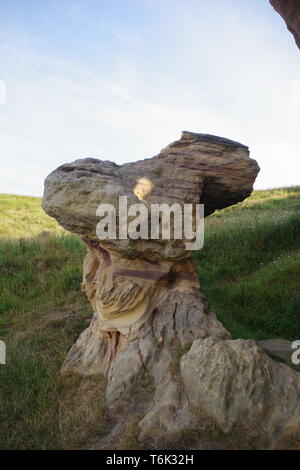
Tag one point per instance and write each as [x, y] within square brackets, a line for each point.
[181, 362]
[150, 353]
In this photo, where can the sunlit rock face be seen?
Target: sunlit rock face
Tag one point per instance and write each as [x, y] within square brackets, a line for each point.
[290, 12]
[146, 298]
[121, 290]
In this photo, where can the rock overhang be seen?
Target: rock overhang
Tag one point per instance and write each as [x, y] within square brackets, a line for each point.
[196, 169]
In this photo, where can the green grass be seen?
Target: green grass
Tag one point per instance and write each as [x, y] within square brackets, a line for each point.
[22, 216]
[42, 312]
[249, 266]
[249, 269]
[45, 270]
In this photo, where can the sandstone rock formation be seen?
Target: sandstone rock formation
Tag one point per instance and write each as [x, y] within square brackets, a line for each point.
[290, 12]
[198, 168]
[162, 350]
[236, 382]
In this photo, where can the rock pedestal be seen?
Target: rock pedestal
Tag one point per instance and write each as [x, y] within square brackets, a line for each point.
[152, 330]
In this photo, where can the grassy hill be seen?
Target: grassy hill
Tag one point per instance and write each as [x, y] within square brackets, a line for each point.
[249, 269]
[250, 265]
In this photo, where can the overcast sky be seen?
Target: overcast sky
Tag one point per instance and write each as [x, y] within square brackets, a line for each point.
[120, 79]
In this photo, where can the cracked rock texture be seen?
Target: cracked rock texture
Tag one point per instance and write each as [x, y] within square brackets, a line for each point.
[162, 350]
[236, 382]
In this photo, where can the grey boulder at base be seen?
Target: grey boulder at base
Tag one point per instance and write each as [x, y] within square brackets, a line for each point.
[166, 357]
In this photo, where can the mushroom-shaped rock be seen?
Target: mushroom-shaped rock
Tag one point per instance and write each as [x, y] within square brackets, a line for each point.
[144, 291]
[198, 168]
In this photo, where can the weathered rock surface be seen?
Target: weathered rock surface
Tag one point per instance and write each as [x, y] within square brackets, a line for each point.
[237, 384]
[198, 168]
[148, 309]
[290, 12]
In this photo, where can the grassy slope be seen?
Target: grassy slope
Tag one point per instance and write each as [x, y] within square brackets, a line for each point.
[42, 312]
[250, 271]
[22, 216]
[250, 265]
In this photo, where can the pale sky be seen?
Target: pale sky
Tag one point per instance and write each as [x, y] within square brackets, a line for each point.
[120, 79]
